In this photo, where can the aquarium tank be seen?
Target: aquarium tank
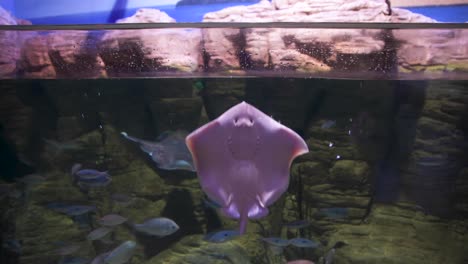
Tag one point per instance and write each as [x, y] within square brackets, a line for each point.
[242, 132]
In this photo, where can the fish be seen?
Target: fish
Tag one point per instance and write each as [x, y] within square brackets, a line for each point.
[433, 161]
[334, 212]
[159, 227]
[303, 243]
[122, 199]
[59, 147]
[121, 254]
[112, 220]
[89, 178]
[297, 224]
[99, 259]
[71, 210]
[211, 204]
[330, 256]
[169, 152]
[76, 210]
[99, 233]
[242, 159]
[328, 124]
[276, 241]
[89, 174]
[97, 182]
[76, 167]
[221, 236]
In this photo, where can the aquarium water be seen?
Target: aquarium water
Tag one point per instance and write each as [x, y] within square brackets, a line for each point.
[233, 143]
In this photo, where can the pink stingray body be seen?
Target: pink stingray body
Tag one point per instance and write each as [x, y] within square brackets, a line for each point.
[243, 160]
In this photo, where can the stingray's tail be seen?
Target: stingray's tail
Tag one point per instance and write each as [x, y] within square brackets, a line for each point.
[243, 220]
[134, 139]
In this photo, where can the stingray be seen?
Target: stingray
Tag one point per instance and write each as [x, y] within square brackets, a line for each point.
[243, 159]
[169, 151]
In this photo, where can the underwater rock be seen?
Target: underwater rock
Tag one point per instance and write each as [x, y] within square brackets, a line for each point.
[287, 100]
[400, 234]
[176, 113]
[461, 191]
[70, 127]
[151, 50]
[16, 123]
[438, 155]
[41, 231]
[221, 94]
[193, 249]
[349, 173]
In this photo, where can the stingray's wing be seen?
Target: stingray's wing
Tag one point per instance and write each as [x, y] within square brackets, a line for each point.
[279, 146]
[211, 159]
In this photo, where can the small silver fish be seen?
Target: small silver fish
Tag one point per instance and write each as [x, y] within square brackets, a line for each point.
[99, 233]
[71, 210]
[276, 241]
[59, 147]
[160, 227]
[76, 167]
[100, 258]
[330, 256]
[88, 174]
[303, 243]
[297, 224]
[334, 212]
[122, 199]
[221, 236]
[112, 220]
[99, 181]
[121, 254]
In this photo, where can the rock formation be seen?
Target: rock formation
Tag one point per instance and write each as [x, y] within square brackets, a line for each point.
[208, 2]
[8, 41]
[302, 51]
